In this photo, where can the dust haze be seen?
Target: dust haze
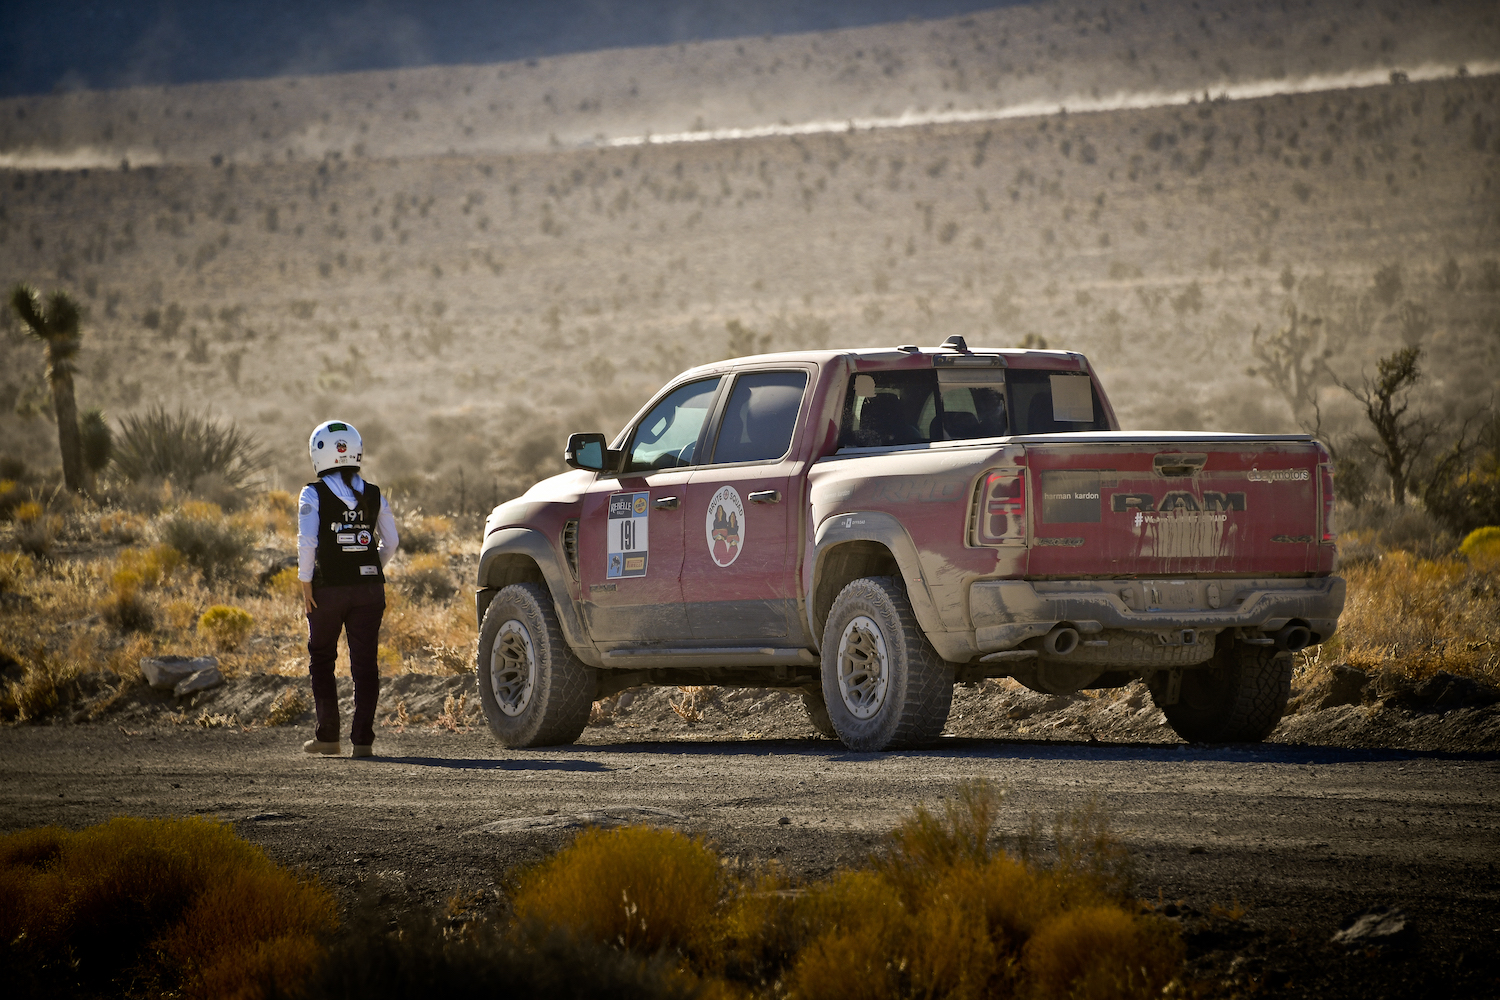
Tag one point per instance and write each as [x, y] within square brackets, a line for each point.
[471, 261]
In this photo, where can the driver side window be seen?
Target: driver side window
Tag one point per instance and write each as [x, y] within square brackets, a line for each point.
[668, 436]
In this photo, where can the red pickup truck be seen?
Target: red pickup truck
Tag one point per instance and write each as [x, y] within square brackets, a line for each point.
[873, 526]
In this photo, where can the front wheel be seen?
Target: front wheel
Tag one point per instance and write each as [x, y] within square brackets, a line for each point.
[1238, 697]
[883, 683]
[535, 692]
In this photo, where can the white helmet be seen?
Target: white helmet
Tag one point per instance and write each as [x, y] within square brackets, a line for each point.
[335, 445]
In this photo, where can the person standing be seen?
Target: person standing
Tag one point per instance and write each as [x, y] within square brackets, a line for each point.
[346, 534]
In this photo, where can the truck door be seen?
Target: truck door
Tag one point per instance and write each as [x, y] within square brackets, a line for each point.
[630, 530]
[741, 523]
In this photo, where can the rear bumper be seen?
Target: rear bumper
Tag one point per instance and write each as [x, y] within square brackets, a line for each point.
[1006, 613]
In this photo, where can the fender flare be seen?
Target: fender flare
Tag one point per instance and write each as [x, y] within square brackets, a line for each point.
[883, 529]
[539, 549]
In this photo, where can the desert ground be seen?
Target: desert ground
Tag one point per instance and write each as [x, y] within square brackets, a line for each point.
[1260, 852]
[470, 262]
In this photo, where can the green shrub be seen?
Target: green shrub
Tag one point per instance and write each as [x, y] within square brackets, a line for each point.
[207, 540]
[186, 447]
[168, 907]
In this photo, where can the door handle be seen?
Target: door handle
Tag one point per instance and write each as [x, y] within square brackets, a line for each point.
[766, 496]
[665, 503]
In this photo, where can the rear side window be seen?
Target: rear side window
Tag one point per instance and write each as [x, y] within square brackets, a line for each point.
[760, 418]
[918, 406]
[1045, 402]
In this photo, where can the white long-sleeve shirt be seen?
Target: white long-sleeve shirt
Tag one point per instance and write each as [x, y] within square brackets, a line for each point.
[307, 523]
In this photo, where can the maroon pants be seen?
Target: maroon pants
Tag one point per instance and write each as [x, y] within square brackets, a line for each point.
[356, 611]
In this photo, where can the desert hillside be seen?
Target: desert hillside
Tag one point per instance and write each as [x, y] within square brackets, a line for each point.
[470, 288]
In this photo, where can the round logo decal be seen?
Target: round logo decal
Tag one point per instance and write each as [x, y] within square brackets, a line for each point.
[725, 526]
[364, 538]
[640, 504]
[342, 446]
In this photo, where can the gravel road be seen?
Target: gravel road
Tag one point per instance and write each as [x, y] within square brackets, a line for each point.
[1298, 836]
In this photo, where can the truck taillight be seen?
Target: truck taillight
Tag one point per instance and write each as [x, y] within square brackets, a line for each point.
[1325, 479]
[1002, 508]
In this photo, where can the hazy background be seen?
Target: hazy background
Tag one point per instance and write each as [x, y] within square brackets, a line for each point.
[461, 231]
[114, 44]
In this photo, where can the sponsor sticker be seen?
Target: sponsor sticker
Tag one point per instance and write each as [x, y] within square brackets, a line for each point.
[347, 538]
[725, 526]
[356, 548]
[364, 538]
[627, 536]
[1278, 475]
[369, 570]
[1071, 497]
[341, 446]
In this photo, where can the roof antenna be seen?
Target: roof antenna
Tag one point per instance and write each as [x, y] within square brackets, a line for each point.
[957, 343]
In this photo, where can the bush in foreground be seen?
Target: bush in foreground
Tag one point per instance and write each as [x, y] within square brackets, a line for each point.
[154, 907]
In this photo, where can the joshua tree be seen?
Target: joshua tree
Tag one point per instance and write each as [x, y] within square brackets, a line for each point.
[55, 324]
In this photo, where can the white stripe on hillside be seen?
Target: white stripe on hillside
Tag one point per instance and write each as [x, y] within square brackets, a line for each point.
[1121, 101]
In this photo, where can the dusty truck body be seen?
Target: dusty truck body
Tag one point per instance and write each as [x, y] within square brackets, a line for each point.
[872, 527]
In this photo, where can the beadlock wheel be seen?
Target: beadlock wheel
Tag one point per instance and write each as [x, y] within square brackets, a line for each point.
[513, 668]
[864, 668]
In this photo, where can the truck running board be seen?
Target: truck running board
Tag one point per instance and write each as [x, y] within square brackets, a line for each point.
[721, 656]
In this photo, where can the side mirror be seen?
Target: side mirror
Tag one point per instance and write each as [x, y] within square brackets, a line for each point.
[586, 451]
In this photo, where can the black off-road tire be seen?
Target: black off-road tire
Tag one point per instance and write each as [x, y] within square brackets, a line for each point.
[1238, 697]
[535, 692]
[817, 713]
[903, 699]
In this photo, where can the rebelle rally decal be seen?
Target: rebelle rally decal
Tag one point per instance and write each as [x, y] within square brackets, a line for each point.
[627, 535]
[725, 526]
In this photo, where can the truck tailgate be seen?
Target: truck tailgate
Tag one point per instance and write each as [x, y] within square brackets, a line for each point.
[1131, 504]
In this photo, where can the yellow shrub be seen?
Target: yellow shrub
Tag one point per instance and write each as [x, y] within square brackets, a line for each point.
[1482, 548]
[29, 512]
[280, 502]
[286, 584]
[634, 887]
[227, 627]
[151, 567]
[201, 510]
[16, 569]
[389, 660]
[1101, 953]
[185, 902]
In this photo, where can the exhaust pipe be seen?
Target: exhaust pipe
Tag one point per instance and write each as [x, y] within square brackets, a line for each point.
[1293, 638]
[1061, 641]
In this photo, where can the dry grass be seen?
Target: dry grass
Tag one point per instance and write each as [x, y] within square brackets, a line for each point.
[103, 608]
[1415, 616]
[635, 887]
[177, 907]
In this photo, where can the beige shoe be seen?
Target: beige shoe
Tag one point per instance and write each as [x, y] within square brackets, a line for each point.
[324, 747]
[361, 751]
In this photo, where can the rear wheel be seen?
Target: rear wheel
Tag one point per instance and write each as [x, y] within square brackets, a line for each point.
[1239, 697]
[535, 692]
[883, 684]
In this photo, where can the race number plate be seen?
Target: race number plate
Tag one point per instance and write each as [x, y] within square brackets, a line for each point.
[627, 535]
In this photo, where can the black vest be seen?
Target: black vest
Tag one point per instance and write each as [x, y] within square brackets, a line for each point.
[347, 547]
